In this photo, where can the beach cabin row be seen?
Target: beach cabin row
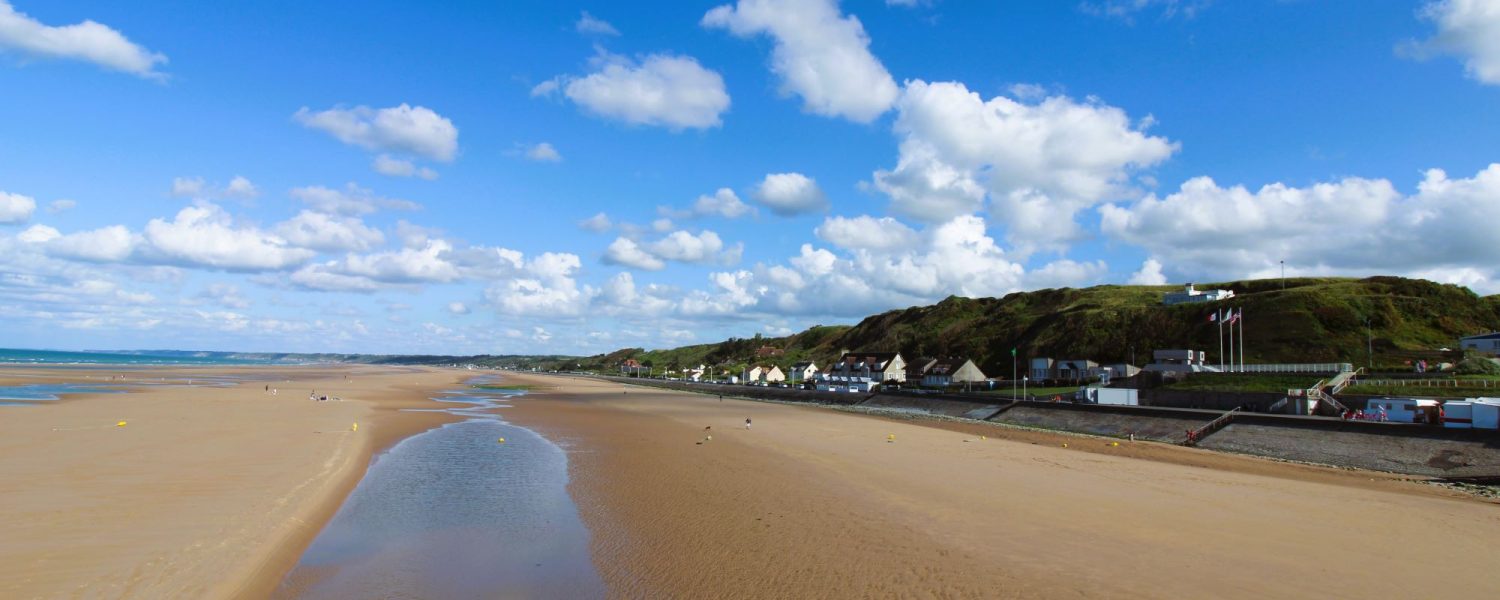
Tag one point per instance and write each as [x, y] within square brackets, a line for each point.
[1474, 413]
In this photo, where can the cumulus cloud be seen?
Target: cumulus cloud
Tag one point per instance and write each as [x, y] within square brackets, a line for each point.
[1469, 29]
[543, 152]
[789, 194]
[625, 252]
[660, 89]
[86, 41]
[547, 287]
[329, 233]
[458, 308]
[867, 233]
[350, 201]
[15, 208]
[589, 24]
[204, 235]
[59, 206]
[1039, 163]
[1352, 226]
[682, 246]
[599, 223]
[114, 243]
[1149, 274]
[819, 54]
[415, 130]
[386, 164]
[722, 203]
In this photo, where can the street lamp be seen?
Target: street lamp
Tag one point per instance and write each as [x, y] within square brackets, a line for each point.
[1023, 386]
[1369, 346]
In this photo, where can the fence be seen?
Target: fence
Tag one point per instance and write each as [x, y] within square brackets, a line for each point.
[1290, 368]
[1420, 383]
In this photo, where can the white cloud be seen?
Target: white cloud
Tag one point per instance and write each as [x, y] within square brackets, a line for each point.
[598, 223]
[15, 208]
[1040, 163]
[819, 54]
[543, 152]
[789, 194]
[458, 308]
[1066, 273]
[238, 188]
[1126, 10]
[327, 233]
[204, 235]
[682, 246]
[114, 243]
[1469, 29]
[386, 164]
[661, 90]
[1351, 226]
[416, 130]
[225, 295]
[723, 203]
[548, 289]
[350, 201]
[626, 253]
[589, 24]
[1149, 274]
[188, 187]
[867, 233]
[661, 225]
[58, 206]
[87, 41]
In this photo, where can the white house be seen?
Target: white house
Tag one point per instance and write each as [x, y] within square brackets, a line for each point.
[764, 374]
[1190, 295]
[695, 373]
[864, 371]
[945, 373]
[1488, 343]
[803, 371]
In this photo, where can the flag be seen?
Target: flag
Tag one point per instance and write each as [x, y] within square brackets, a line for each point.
[1213, 317]
[1234, 316]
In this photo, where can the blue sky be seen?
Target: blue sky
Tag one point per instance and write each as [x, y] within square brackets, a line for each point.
[528, 177]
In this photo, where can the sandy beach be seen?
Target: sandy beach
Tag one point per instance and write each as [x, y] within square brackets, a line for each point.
[206, 492]
[813, 502]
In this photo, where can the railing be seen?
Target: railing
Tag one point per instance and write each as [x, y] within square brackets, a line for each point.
[1322, 398]
[1198, 434]
[1479, 383]
[1290, 368]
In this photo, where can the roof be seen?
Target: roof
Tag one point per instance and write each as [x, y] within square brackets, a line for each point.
[1484, 336]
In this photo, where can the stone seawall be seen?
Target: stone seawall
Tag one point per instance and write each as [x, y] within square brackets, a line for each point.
[1393, 447]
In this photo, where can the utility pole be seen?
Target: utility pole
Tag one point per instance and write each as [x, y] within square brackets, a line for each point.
[1012, 372]
[1283, 276]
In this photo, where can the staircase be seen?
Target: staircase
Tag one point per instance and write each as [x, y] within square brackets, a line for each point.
[1198, 434]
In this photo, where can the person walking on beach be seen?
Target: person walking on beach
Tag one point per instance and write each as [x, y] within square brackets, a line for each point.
[747, 422]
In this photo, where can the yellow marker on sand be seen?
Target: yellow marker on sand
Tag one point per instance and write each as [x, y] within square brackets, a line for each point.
[1065, 445]
[501, 441]
[354, 427]
[120, 424]
[890, 438]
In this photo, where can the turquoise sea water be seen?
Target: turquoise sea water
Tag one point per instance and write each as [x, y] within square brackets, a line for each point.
[62, 357]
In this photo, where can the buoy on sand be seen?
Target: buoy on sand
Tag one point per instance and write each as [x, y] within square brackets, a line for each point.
[1065, 445]
[500, 441]
[890, 438]
[354, 427]
[120, 424]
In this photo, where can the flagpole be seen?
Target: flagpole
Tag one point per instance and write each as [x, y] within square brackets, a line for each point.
[1218, 316]
[1231, 340]
[1242, 339]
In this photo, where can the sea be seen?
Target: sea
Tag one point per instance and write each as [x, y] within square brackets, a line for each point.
[145, 357]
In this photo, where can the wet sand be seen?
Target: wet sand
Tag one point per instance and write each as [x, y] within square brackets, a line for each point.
[814, 502]
[207, 492]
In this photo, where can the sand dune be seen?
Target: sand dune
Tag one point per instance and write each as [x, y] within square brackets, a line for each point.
[205, 492]
[818, 503]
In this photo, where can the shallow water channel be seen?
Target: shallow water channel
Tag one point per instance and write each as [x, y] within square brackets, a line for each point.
[454, 513]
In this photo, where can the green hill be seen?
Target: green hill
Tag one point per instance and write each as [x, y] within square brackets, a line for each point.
[1311, 320]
